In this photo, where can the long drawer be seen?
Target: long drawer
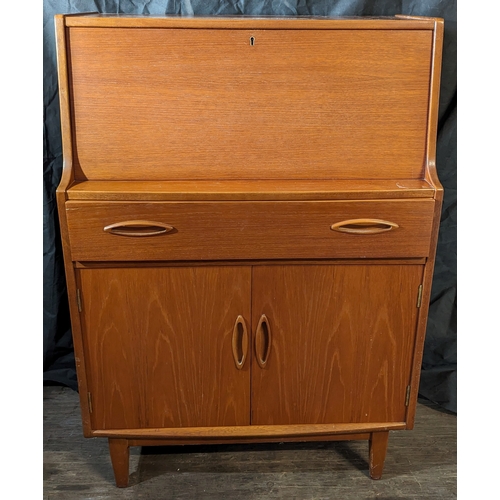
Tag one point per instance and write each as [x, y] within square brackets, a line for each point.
[137, 231]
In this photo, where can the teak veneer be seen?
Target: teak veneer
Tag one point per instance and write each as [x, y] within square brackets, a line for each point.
[249, 214]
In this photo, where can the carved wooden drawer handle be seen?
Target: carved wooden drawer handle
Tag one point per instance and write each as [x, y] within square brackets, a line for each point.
[138, 228]
[263, 341]
[363, 226]
[240, 342]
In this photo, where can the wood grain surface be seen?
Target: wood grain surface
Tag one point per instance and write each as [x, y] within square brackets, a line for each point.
[250, 432]
[377, 452]
[159, 346]
[67, 178]
[342, 339]
[119, 453]
[250, 190]
[299, 104]
[95, 19]
[249, 230]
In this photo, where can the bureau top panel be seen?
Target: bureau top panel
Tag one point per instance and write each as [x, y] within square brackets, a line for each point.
[207, 102]
[251, 22]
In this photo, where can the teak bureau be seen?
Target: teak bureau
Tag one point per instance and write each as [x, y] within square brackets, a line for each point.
[249, 212]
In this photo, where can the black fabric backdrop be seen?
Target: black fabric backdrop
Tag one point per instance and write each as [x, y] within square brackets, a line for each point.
[438, 380]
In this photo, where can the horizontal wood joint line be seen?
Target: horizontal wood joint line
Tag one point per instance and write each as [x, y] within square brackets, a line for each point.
[260, 262]
[250, 431]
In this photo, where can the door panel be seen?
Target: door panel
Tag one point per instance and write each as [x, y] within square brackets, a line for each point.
[341, 342]
[159, 346]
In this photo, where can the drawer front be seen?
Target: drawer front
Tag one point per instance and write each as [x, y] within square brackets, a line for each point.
[110, 231]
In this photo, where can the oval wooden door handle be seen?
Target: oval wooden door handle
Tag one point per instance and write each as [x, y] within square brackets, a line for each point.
[363, 226]
[138, 228]
[263, 341]
[239, 342]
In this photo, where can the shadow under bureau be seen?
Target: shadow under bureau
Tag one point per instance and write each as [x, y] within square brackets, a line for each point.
[249, 213]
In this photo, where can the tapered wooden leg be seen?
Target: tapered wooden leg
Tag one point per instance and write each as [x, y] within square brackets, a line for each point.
[378, 450]
[119, 451]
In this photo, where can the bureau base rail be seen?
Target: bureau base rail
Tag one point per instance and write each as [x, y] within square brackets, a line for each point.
[376, 434]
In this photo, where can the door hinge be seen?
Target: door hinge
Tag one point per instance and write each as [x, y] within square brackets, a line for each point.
[79, 300]
[419, 296]
[89, 398]
[408, 391]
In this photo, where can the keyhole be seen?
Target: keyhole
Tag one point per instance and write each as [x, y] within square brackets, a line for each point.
[252, 41]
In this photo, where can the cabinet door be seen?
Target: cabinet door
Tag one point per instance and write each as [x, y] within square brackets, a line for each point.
[339, 342]
[159, 346]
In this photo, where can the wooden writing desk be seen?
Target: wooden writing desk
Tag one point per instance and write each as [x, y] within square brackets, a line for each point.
[249, 211]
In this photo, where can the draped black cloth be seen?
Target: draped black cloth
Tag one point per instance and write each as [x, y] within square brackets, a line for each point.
[438, 379]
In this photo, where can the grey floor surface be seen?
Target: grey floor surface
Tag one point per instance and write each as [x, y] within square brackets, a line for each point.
[420, 464]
